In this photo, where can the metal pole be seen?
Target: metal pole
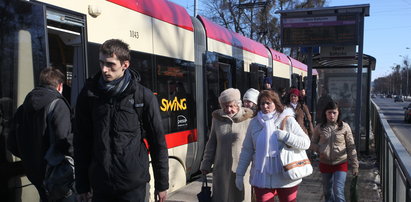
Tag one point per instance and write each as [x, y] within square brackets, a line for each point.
[401, 92]
[195, 8]
[406, 88]
[359, 86]
[367, 113]
[309, 85]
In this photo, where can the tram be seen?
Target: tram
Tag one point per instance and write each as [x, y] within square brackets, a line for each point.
[186, 61]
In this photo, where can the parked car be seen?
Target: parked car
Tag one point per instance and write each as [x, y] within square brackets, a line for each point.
[373, 96]
[407, 114]
[389, 96]
[399, 98]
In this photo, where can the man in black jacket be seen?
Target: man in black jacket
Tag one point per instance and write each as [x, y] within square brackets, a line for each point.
[32, 142]
[111, 157]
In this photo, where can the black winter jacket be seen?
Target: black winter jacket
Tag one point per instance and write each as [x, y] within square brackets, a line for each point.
[109, 152]
[33, 142]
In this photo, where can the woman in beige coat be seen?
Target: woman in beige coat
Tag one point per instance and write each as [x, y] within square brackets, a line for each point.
[228, 129]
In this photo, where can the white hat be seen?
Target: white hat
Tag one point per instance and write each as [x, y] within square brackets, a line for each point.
[251, 95]
[228, 95]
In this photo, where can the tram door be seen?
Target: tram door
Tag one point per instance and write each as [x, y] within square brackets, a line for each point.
[33, 37]
[66, 44]
[296, 81]
[219, 77]
[225, 79]
[257, 74]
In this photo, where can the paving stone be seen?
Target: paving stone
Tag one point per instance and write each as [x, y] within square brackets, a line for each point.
[311, 188]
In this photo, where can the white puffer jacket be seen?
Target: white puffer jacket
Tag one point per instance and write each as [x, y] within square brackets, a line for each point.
[292, 135]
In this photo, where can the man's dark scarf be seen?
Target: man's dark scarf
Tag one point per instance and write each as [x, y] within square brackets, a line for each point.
[115, 87]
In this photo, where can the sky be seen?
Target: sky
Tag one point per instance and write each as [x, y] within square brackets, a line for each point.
[387, 31]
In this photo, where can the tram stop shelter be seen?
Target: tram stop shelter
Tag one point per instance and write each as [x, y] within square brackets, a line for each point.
[344, 72]
[337, 79]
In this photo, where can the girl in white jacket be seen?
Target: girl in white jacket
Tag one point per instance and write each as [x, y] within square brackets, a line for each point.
[261, 147]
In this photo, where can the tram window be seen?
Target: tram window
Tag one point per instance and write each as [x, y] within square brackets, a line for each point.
[143, 63]
[22, 52]
[175, 82]
[280, 83]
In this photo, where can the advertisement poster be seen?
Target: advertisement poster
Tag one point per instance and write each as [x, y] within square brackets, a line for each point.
[344, 91]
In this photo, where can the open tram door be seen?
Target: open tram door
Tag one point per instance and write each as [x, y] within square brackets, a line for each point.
[67, 48]
[29, 41]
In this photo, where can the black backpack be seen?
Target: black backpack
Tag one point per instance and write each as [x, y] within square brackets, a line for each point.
[59, 177]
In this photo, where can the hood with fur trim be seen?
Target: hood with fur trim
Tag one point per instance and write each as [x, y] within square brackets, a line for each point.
[242, 115]
[287, 112]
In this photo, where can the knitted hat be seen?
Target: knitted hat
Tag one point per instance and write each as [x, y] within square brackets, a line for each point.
[268, 80]
[295, 92]
[251, 95]
[228, 95]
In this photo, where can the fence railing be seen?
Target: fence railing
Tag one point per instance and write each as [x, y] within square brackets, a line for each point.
[394, 160]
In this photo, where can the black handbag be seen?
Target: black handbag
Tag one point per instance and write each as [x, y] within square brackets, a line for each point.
[205, 193]
[353, 189]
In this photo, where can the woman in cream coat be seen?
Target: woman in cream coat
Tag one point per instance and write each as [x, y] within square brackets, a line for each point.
[262, 147]
[228, 129]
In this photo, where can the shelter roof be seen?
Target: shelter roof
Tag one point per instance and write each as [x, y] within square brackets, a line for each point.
[348, 62]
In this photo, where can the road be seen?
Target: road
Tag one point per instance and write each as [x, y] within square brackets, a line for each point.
[394, 113]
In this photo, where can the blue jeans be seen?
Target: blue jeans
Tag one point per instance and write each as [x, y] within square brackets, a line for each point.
[333, 186]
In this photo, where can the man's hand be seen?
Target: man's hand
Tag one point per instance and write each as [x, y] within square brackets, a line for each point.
[84, 197]
[160, 196]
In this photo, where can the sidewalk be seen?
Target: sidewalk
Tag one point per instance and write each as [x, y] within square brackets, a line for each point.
[310, 189]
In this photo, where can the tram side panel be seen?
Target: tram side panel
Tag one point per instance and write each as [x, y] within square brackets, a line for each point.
[153, 65]
[281, 70]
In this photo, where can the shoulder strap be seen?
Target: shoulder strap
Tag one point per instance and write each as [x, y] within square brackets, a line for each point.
[48, 118]
[283, 122]
[139, 106]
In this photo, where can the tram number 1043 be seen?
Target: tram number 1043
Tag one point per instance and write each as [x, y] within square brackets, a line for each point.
[134, 34]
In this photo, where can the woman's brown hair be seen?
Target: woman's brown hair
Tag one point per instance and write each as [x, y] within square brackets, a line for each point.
[331, 105]
[273, 96]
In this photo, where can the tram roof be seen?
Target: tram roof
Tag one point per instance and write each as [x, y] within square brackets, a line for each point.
[297, 64]
[280, 57]
[160, 9]
[348, 62]
[226, 36]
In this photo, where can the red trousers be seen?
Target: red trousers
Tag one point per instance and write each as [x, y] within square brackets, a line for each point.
[284, 194]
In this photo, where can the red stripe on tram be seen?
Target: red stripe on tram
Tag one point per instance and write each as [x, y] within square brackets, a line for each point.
[181, 138]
